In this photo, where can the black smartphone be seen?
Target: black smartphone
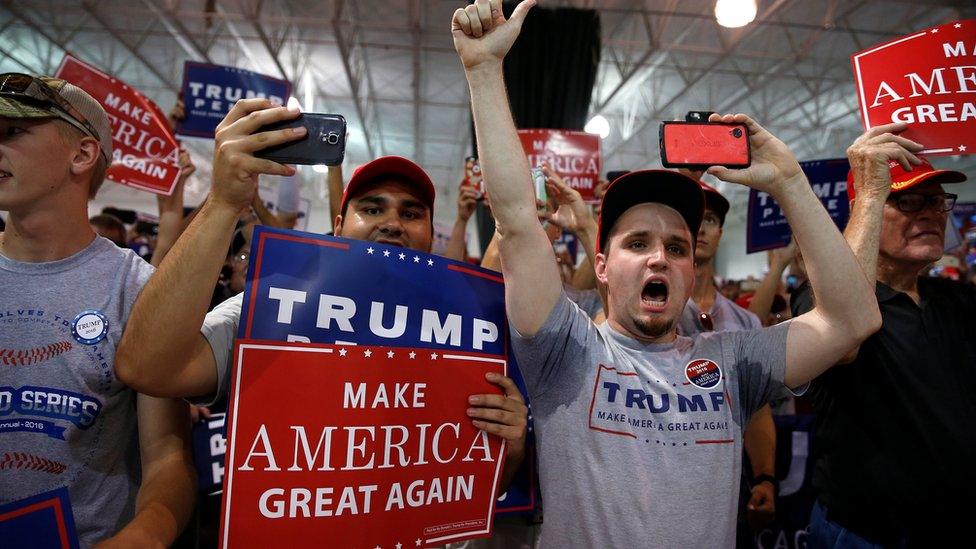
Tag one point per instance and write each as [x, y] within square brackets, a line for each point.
[325, 142]
[698, 116]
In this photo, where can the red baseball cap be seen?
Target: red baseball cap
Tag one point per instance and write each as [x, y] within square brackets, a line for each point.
[902, 180]
[393, 167]
[715, 201]
[662, 186]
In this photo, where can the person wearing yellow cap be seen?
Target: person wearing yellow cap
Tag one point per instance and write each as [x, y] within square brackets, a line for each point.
[895, 437]
[68, 425]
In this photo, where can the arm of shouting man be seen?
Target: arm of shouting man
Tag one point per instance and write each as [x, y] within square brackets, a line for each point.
[162, 352]
[847, 312]
[482, 37]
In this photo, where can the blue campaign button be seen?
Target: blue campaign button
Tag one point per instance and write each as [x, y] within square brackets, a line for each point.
[89, 327]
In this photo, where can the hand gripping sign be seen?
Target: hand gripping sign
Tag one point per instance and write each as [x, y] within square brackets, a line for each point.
[926, 79]
[364, 444]
[575, 156]
[144, 150]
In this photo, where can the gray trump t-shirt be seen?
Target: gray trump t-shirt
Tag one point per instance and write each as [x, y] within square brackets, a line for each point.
[65, 419]
[641, 444]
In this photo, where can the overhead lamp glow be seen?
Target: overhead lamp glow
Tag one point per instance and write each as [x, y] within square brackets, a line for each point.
[599, 126]
[320, 168]
[293, 103]
[735, 13]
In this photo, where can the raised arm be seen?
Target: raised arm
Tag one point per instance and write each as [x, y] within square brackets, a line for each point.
[162, 352]
[573, 215]
[482, 37]
[869, 156]
[762, 299]
[846, 312]
[171, 222]
[467, 201]
[336, 186]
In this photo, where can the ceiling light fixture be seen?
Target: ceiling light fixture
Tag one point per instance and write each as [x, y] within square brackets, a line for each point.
[735, 13]
[598, 125]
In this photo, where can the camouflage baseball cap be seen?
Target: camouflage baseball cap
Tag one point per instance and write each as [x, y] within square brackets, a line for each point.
[25, 96]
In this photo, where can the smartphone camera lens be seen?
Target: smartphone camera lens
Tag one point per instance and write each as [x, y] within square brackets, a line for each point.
[332, 138]
[737, 133]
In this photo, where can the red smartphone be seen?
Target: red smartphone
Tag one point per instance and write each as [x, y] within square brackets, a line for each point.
[700, 145]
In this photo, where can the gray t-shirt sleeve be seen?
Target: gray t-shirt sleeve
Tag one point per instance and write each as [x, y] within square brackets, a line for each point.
[220, 329]
[760, 362]
[543, 358]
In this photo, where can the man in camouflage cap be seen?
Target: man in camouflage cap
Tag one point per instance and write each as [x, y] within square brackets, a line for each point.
[119, 461]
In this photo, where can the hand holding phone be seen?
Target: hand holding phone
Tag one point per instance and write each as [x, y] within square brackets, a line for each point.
[773, 168]
[235, 167]
[324, 141]
[698, 145]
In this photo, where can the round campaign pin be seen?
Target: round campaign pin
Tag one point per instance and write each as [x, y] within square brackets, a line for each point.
[89, 327]
[703, 373]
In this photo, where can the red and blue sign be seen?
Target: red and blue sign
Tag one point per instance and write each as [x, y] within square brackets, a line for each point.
[209, 92]
[766, 226]
[43, 520]
[364, 355]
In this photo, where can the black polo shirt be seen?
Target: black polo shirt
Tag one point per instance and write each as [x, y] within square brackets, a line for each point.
[896, 428]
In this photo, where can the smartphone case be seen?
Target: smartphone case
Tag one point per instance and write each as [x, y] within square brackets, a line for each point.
[718, 148]
[325, 142]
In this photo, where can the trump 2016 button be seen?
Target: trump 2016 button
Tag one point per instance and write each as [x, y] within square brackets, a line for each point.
[89, 327]
[703, 373]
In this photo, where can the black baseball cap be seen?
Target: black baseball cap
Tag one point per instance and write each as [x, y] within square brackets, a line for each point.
[667, 187]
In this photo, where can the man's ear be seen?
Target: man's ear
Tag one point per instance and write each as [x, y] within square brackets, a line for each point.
[337, 225]
[85, 156]
[600, 267]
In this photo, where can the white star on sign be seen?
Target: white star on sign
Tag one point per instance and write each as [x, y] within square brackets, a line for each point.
[369, 250]
[368, 353]
[413, 354]
[386, 253]
[389, 354]
[935, 31]
[342, 352]
[958, 25]
[399, 545]
[433, 356]
[416, 259]
[402, 257]
[962, 148]
[430, 262]
[417, 542]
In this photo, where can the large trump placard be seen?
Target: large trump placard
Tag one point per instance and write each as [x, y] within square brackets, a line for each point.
[348, 419]
[927, 80]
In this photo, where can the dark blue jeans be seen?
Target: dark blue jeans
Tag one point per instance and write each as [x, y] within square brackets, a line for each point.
[823, 534]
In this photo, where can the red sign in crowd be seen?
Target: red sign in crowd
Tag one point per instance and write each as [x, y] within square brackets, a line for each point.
[376, 453]
[926, 79]
[145, 152]
[575, 156]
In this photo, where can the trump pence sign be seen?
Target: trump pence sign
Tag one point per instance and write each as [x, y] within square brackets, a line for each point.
[348, 419]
